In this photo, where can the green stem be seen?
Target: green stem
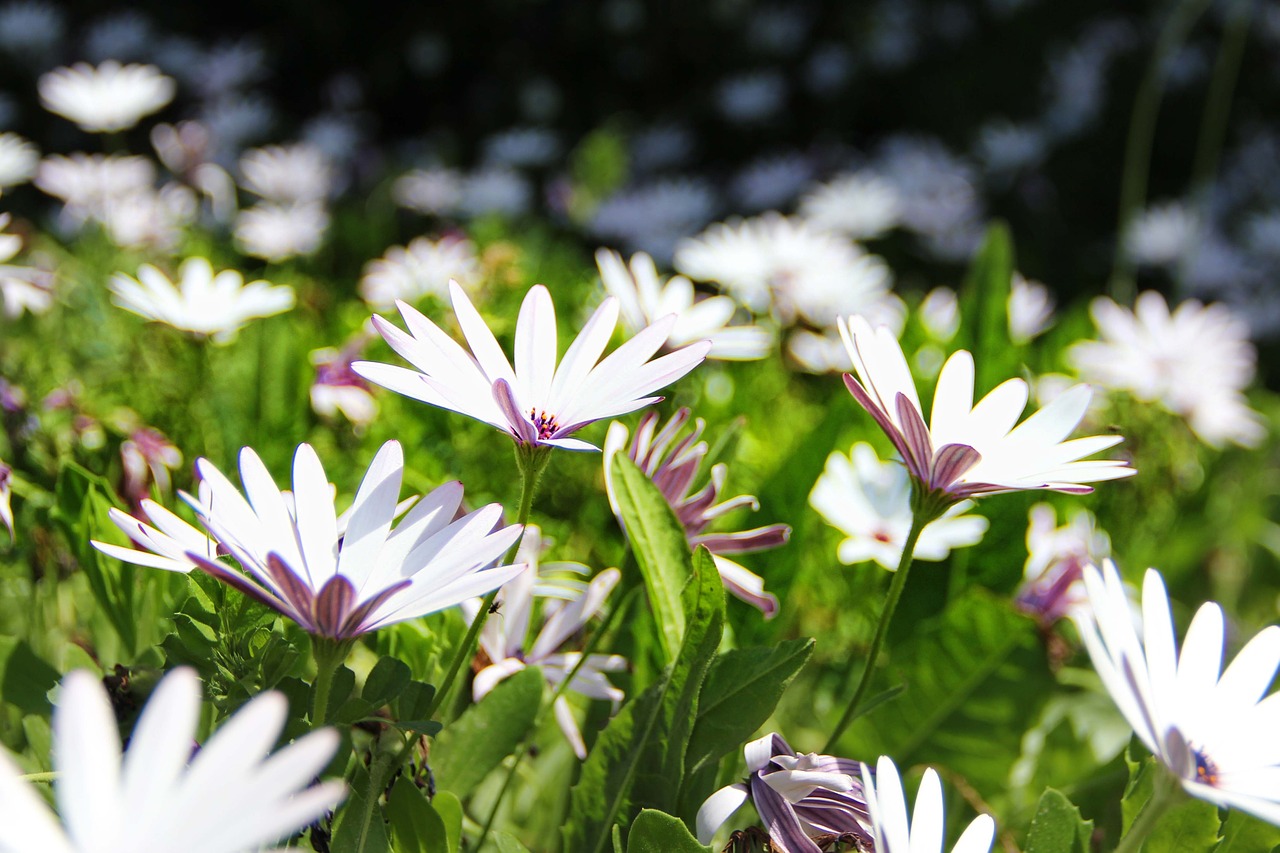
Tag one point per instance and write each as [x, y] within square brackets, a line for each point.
[1142, 128]
[329, 654]
[49, 776]
[532, 462]
[1164, 793]
[918, 521]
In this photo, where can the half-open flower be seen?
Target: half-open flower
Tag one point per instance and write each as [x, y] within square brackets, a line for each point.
[334, 580]
[540, 401]
[969, 450]
[926, 831]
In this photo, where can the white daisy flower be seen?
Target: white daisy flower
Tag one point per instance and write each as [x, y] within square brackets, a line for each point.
[927, 829]
[87, 183]
[1030, 309]
[18, 160]
[201, 303]
[969, 450]
[276, 232]
[869, 501]
[940, 313]
[644, 298]
[107, 98]
[6, 497]
[431, 191]
[287, 174]
[539, 402]
[1195, 361]
[231, 796]
[1213, 729]
[861, 205]
[22, 288]
[1161, 236]
[423, 267]
[1053, 576]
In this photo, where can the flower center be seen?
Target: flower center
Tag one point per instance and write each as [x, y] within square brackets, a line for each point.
[545, 423]
[1206, 768]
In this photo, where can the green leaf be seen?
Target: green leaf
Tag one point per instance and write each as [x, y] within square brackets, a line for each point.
[415, 826]
[976, 678]
[1057, 826]
[985, 306]
[639, 758]
[344, 682]
[385, 681]
[655, 832]
[414, 700]
[449, 807]
[507, 843]
[742, 689]
[352, 832]
[487, 732]
[24, 677]
[660, 548]
[1244, 833]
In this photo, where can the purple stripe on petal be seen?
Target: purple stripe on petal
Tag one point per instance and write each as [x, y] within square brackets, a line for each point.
[950, 463]
[780, 820]
[916, 436]
[746, 541]
[354, 624]
[332, 605]
[521, 426]
[293, 590]
[881, 417]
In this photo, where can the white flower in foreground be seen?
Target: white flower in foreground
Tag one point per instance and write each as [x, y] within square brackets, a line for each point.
[232, 796]
[1030, 309]
[969, 450]
[861, 205]
[1214, 729]
[21, 288]
[1162, 235]
[926, 831]
[202, 303]
[18, 160]
[1195, 361]
[869, 501]
[539, 402]
[423, 267]
[336, 576]
[644, 298]
[107, 98]
[286, 174]
[276, 232]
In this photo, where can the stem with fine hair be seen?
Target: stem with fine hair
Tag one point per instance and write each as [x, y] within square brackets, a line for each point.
[1164, 793]
[919, 519]
[532, 461]
[329, 654]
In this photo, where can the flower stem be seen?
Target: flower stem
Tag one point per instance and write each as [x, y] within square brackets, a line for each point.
[919, 519]
[532, 462]
[329, 654]
[1164, 793]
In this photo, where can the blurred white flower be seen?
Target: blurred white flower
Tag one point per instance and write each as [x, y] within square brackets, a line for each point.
[1030, 309]
[937, 193]
[235, 120]
[22, 288]
[147, 457]
[1213, 729]
[276, 232]
[230, 796]
[285, 174]
[87, 183]
[644, 298]
[1053, 576]
[423, 267]
[769, 183]
[869, 501]
[788, 266]
[495, 190]
[940, 313]
[338, 388]
[1161, 236]
[432, 191]
[201, 303]
[150, 218]
[752, 98]
[653, 217]
[18, 160]
[1195, 361]
[927, 829]
[521, 148]
[107, 98]
[861, 205]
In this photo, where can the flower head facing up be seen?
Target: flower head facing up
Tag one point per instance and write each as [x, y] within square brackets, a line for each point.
[870, 502]
[672, 460]
[539, 402]
[925, 833]
[797, 797]
[336, 576]
[1214, 729]
[967, 450]
[107, 98]
[202, 303]
[229, 798]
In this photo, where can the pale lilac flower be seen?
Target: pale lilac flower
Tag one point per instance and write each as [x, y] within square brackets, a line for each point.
[503, 638]
[869, 501]
[969, 450]
[148, 218]
[147, 457]
[644, 298]
[672, 460]
[232, 796]
[287, 174]
[423, 267]
[202, 303]
[87, 183]
[1053, 576]
[539, 402]
[861, 205]
[1030, 309]
[940, 313]
[1162, 235]
[277, 232]
[1213, 729]
[926, 832]
[1195, 361]
[338, 388]
[18, 160]
[797, 797]
[432, 191]
[22, 288]
[334, 580]
[107, 98]
[6, 497]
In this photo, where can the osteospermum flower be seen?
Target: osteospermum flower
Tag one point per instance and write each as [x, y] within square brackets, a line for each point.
[869, 501]
[230, 797]
[18, 160]
[969, 450]
[277, 232]
[334, 580]
[107, 98]
[22, 288]
[798, 797]
[338, 388]
[1195, 361]
[861, 205]
[6, 497]
[1053, 576]
[202, 303]
[644, 299]
[1213, 729]
[298, 173]
[539, 402]
[672, 460]
[423, 267]
[926, 831]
